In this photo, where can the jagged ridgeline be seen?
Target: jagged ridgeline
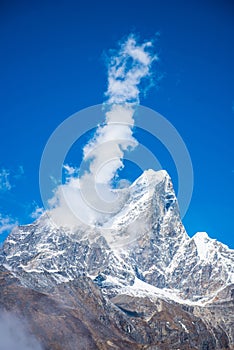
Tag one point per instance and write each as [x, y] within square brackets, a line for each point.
[136, 282]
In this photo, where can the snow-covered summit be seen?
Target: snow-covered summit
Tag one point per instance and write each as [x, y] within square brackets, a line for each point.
[150, 178]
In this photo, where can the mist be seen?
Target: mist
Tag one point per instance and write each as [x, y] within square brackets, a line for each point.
[14, 334]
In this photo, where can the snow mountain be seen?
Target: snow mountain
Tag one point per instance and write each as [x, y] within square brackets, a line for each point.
[141, 252]
[145, 240]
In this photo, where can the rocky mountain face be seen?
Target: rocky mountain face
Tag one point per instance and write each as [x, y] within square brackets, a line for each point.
[136, 282]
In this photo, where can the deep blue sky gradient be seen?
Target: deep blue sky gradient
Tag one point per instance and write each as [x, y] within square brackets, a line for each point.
[52, 66]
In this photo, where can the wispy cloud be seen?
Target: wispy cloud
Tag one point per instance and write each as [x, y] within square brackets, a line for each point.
[5, 184]
[37, 213]
[6, 224]
[9, 177]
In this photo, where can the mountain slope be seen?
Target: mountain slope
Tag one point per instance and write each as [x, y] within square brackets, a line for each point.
[75, 315]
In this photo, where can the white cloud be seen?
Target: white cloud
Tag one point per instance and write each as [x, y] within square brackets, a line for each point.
[126, 70]
[69, 169]
[6, 224]
[37, 213]
[123, 183]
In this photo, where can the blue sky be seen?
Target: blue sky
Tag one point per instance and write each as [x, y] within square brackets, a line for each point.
[52, 65]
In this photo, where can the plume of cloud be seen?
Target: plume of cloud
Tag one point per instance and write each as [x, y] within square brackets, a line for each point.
[91, 194]
[126, 69]
[14, 334]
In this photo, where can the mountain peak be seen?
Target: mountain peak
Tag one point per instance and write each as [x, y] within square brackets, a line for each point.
[201, 236]
[152, 177]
